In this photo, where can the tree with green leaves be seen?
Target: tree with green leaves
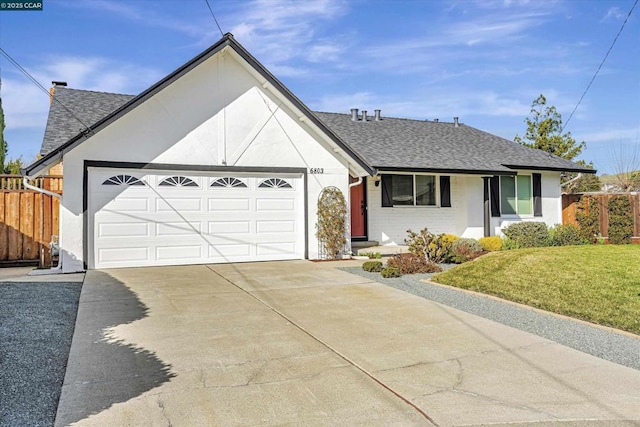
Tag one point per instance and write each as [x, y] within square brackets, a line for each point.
[588, 182]
[544, 131]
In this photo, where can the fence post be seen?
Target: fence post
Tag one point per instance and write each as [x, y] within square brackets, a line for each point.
[603, 204]
[635, 209]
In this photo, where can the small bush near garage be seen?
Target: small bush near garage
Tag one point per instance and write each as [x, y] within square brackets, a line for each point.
[412, 264]
[332, 224]
[371, 255]
[464, 249]
[372, 266]
[620, 220]
[526, 235]
[566, 235]
[390, 273]
[491, 244]
[587, 215]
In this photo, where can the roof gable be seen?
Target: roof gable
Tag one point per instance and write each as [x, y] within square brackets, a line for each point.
[54, 153]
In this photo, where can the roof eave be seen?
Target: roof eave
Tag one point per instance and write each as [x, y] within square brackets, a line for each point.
[383, 169]
[552, 168]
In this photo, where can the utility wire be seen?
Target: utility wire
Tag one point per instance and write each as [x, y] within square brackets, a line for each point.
[600, 66]
[214, 17]
[42, 88]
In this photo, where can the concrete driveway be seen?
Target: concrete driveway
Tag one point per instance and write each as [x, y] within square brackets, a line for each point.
[301, 343]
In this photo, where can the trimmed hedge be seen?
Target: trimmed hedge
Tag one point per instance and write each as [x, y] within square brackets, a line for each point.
[390, 272]
[526, 235]
[372, 266]
[620, 220]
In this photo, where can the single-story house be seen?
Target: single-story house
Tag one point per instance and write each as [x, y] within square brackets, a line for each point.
[220, 162]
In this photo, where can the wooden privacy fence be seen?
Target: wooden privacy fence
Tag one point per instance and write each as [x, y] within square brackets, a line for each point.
[570, 210]
[28, 219]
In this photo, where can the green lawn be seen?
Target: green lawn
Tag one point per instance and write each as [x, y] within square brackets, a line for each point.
[597, 283]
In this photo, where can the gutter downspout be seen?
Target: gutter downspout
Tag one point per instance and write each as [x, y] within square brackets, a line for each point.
[355, 184]
[58, 269]
[572, 180]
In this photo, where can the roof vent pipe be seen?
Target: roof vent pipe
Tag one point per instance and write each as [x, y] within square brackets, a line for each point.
[354, 114]
[455, 122]
[377, 115]
[436, 120]
[364, 115]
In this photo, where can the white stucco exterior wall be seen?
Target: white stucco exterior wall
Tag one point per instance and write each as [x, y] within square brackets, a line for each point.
[218, 114]
[389, 225]
[464, 218]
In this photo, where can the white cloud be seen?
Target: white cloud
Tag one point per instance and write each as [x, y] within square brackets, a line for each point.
[285, 31]
[149, 16]
[612, 135]
[614, 13]
[442, 104]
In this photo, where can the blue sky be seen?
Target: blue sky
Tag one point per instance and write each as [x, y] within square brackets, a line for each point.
[483, 61]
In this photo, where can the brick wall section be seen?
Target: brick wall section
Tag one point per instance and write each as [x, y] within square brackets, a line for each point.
[389, 225]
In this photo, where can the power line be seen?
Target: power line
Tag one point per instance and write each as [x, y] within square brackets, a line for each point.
[42, 88]
[214, 17]
[600, 66]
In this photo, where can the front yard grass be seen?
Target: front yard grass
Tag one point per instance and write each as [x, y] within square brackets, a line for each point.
[596, 283]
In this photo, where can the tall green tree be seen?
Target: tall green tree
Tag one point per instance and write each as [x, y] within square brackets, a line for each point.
[544, 131]
[3, 143]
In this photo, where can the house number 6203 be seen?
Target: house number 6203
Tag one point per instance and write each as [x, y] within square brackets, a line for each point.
[315, 171]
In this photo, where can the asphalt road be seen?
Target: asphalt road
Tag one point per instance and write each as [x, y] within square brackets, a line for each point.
[36, 326]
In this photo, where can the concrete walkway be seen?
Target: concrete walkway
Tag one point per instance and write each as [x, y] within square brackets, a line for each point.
[301, 343]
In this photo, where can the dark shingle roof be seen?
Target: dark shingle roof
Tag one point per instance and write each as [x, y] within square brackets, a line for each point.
[424, 145]
[388, 144]
[87, 105]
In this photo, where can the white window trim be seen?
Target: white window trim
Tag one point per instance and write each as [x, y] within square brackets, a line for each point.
[413, 175]
[517, 215]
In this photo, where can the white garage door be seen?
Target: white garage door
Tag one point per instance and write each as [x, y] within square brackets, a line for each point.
[142, 218]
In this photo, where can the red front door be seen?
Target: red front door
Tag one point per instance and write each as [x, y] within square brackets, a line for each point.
[358, 211]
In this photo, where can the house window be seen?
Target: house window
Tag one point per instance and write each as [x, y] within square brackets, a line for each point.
[178, 181]
[274, 183]
[516, 195]
[413, 190]
[228, 182]
[123, 180]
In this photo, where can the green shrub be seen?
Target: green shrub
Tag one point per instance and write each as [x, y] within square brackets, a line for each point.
[620, 220]
[526, 235]
[464, 249]
[371, 255]
[390, 272]
[491, 244]
[587, 215]
[566, 235]
[372, 266]
[432, 247]
[413, 264]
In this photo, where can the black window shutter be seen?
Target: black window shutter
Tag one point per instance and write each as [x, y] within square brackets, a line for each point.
[537, 194]
[445, 191]
[495, 196]
[387, 191]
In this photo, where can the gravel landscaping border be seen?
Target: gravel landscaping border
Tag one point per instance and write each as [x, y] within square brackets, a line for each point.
[617, 347]
[37, 320]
